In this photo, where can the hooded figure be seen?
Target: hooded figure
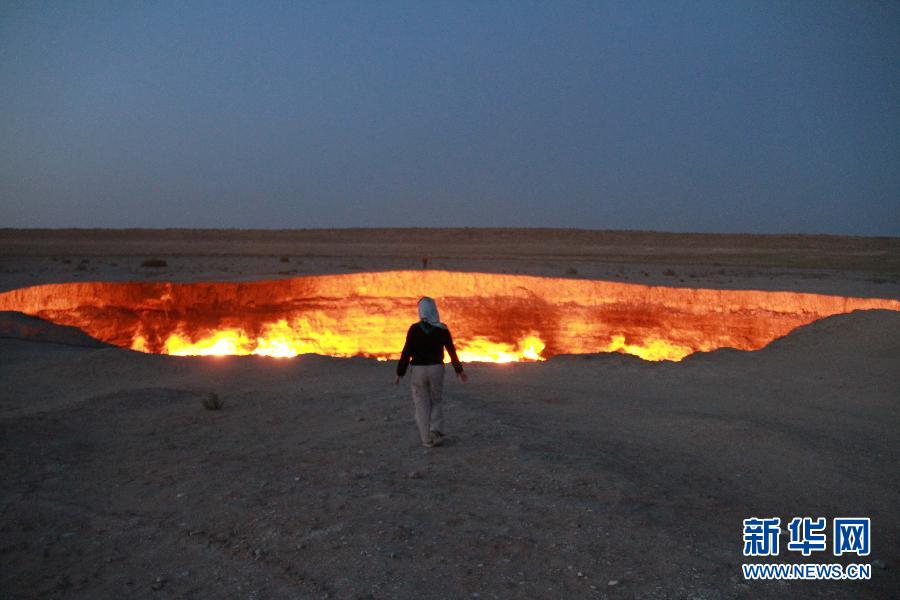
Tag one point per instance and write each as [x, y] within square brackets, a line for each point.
[423, 354]
[428, 314]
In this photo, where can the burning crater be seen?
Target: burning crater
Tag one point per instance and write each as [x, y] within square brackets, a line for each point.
[495, 318]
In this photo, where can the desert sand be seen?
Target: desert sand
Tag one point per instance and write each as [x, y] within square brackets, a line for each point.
[584, 476]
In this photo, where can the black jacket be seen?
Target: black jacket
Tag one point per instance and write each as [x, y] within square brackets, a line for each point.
[425, 346]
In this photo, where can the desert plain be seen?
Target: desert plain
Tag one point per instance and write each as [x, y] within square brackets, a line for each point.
[595, 476]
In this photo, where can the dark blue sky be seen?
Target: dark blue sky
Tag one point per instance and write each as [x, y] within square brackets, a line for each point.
[678, 116]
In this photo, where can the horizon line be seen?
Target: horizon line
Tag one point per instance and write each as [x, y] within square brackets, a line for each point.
[432, 229]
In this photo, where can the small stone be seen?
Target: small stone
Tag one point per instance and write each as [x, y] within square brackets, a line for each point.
[580, 574]
[360, 418]
[613, 582]
[879, 564]
[159, 584]
[414, 475]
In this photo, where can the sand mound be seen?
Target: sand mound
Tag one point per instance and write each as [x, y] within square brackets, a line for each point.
[862, 331]
[874, 334]
[15, 325]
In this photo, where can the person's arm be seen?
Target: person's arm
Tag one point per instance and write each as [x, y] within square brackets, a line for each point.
[454, 359]
[405, 355]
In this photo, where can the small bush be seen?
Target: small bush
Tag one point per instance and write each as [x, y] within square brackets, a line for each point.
[154, 263]
[211, 401]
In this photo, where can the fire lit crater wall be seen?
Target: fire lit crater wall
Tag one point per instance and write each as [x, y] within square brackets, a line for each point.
[497, 318]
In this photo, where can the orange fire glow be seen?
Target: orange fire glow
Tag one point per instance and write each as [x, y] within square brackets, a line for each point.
[494, 318]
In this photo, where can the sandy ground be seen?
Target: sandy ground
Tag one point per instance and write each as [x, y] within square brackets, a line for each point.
[600, 476]
[846, 266]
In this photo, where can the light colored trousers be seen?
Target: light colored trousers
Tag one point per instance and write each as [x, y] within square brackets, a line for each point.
[427, 383]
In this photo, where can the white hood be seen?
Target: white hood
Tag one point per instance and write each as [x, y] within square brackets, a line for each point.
[428, 312]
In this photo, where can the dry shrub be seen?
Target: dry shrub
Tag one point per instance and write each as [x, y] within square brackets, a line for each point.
[211, 401]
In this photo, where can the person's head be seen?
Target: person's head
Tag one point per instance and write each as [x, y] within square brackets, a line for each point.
[428, 311]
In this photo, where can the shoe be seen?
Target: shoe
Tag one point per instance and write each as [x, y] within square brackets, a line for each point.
[437, 438]
[428, 444]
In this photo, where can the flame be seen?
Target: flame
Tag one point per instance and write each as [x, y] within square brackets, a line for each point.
[493, 318]
[650, 349]
[480, 349]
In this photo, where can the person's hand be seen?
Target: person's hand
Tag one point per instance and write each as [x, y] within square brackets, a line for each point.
[397, 380]
[462, 375]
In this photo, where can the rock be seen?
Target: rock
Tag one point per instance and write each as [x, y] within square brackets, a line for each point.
[414, 475]
[612, 582]
[159, 584]
[879, 564]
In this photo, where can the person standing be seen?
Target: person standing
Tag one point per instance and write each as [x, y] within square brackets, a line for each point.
[423, 355]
